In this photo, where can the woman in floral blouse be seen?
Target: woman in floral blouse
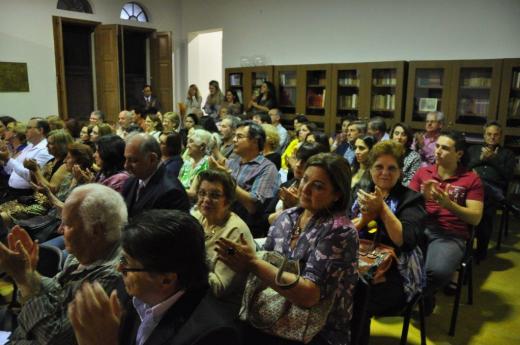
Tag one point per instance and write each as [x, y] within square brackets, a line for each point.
[321, 238]
[403, 134]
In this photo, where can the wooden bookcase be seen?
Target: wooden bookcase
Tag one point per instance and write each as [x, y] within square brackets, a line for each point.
[289, 85]
[386, 91]
[509, 103]
[247, 81]
[428, 89]
[475, 87]
[349, 94]
[317, 100]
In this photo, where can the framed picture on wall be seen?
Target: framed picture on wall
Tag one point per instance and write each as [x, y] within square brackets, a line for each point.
[428, 104]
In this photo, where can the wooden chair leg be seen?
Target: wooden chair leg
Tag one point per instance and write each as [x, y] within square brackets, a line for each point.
[470, 283]
[501, 228]
[406, 323]
[422, 321]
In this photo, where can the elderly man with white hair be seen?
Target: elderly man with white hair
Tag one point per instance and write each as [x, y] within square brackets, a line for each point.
[92, 219]
[124, 120]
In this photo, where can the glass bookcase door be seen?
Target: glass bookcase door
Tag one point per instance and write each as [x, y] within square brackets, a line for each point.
[428, 92]
[236, 82]
[383, 95]
[287, 92]
[257, 79]
[474, 93]
[513, 106]
[316, 91]
[348, 93]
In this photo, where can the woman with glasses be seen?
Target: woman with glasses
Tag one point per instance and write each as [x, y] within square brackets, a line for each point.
[321, 238]
[383, 207]
[215, 194]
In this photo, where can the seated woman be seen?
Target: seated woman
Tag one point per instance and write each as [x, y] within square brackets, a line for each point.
[288, 194]
[171, 148]
[403, 134]
[399, 213]
[110, 158]
[15, 137]
[232, 103]
[200, 145]
[319, 235]
[454, 202]
[153, 125]
[190, 122]
[171, 122]
[272, 140]
[265, 101]
[99, 130]
[362, 148]
[320, 138]
[50, 176]
[85, 136]
[301, 134]
[215, 194]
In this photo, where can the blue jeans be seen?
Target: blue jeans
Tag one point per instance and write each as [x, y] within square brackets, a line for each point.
[443, 256]
[58, 242]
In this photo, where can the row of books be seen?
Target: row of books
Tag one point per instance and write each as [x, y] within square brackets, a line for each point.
[315, 99]
[476, 82]
[474, 106]
[516, 79]
[348, 101]
[514, 107]
[287, 80]
[386, 81]
[383, 102]
[348, 81]
[429, 82]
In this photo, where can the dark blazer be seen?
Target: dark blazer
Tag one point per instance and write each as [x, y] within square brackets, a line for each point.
[197, 318]
[162, 191]
[173, 165]
[154, 103]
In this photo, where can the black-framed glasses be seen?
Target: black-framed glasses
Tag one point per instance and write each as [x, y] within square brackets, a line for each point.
[123, 266]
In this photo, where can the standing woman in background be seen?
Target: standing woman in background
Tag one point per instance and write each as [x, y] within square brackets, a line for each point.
[232, 103]
[214, 99]
[265, 101]
[193, 101]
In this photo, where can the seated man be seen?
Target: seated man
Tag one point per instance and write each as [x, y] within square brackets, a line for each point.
[424, 143]
[377, 128]
[256, 176]
[36, 149]
[495, 166]
[164, 270]
[454, 201]
[149, 186]
[92, 219]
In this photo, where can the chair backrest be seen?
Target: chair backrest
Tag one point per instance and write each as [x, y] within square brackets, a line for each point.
[50, 261]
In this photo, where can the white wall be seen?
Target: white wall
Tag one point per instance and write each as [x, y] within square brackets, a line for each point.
[332, 31]
[26, 35]
[205, 59]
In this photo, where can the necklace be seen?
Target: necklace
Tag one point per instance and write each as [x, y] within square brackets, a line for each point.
[297, 229]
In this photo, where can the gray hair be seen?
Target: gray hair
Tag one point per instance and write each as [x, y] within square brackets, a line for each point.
[128, 114]
[233, 121]
[360, 125]
[203, 137]
[99, 204]
[439, 116]
[99, 114]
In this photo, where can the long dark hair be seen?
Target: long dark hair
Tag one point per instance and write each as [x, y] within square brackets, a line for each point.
[271, 94]
[369, 142]
[111, 150]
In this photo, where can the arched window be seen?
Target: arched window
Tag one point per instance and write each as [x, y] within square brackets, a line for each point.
[75, 5]
[133, 11]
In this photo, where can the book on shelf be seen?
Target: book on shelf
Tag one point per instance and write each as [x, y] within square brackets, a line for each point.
[514, 107]
[516, 80]
[348, 101]
[428, 104]
[383, 102]
[240, 96]
[235, 80]
[475, 79]
[474, 107]
[315, 99]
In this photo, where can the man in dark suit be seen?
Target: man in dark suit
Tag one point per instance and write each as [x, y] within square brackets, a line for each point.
[150, 187]
[148, 100]
[164, 269]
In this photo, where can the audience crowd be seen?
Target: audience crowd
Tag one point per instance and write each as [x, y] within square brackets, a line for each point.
[188, 228]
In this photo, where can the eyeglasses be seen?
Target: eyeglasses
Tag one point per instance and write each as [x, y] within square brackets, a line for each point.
[124, 269]
[215, 196]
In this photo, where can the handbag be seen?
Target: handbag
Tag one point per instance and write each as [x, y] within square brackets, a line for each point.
[375, 259]
[41, 228]
[267, 310]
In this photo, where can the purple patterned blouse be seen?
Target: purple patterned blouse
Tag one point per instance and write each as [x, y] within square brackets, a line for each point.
[328, 255]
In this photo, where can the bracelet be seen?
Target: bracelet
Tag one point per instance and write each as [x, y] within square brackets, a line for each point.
[289, 286]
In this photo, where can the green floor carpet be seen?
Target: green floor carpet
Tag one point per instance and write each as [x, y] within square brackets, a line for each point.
[494, 317]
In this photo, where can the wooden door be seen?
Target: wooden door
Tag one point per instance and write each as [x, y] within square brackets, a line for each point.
[61, 85]
[107, 70]
[161, 68]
